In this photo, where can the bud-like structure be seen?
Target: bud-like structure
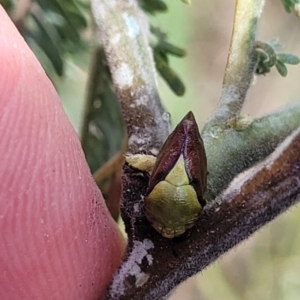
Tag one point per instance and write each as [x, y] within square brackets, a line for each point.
[174, 198]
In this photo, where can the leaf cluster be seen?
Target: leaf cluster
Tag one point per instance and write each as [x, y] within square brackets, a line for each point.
[292, 6]
[268, 58]
[162, 48]
[53, 29]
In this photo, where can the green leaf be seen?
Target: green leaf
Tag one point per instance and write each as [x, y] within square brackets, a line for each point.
[161, 50]
[281, 68]
[287, 5]
[266, 52]
[267, 58]
[288, 58]
[171, 49]
[290, 5]
[70, 19]
[153, 6]
[8, 5]
[48, 41]
[103, 127]
[56, 31]
[186, 1]
[167, 73]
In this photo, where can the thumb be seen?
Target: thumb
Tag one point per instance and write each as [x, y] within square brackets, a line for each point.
[57, 238]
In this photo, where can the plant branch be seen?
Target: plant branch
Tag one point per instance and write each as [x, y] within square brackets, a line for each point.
[230, 152]
[252, 199]
[124, 31]
[241, 62]
[154, 265]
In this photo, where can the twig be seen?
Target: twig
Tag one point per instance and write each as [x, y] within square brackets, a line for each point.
[230, 152]
[155, 265]
[241, 62]
[124, 31]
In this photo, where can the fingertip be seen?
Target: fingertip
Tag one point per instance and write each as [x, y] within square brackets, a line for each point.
[57, 238]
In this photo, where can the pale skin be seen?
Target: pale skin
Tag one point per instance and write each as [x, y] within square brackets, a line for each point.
[57, 238]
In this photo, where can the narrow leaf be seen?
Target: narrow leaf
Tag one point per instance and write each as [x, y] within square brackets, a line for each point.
[287, 58]
[168, 74]
[281, 68]
[169, 48]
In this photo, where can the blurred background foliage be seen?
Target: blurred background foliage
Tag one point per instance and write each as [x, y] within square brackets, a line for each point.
[60, 32]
